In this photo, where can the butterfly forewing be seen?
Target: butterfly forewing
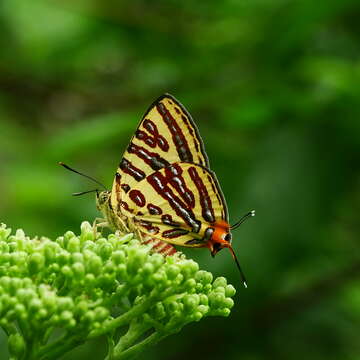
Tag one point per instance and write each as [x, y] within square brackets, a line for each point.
[176, 203]
[165, 135]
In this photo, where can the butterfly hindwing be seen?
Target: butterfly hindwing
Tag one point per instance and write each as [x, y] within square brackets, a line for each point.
[177, 203]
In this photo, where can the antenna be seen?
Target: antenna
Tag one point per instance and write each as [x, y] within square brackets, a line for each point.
[87, 176]
[246, 216]
[84, 192]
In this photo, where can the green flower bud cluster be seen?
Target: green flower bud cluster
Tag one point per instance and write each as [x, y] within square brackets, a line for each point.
[88, 286]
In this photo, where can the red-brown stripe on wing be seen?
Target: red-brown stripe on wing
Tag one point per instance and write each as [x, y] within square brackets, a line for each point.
[178, 137]
[128, 168]
[137, 197]
[173, 174]
[154, 160]
[154, 139]
[202, 158]
[161, 247]
[205, 200]
[174, 233]
[160, 184]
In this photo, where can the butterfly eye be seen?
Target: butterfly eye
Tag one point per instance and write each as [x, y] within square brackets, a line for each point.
[228, 237]
[103, 197]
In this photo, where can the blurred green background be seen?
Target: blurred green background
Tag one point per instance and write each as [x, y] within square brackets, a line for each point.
[274, 87]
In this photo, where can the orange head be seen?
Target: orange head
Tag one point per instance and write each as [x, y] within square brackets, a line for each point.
[221, 238]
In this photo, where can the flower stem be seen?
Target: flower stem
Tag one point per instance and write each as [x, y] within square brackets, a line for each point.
[122, 319]
[139, 347]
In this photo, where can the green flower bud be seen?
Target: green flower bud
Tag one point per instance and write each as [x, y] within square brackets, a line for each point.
[4, 247]
[121, 272]
[121, 290]
[87, 232]
[89, 317]
[172, 271]
[4, 257]
[136, 258]
[216, 299]
[35, 263]
[196, 316]
[101, 314]
[203, 309]
[230, 291]
[77, 257]
[159, 311]
[190, 285]
[14, 285]
[94, 264]
[4, 232]
[66, 319]
[66, 270]
[16, 345]
[50, 302]
[119, 241]
[203, 299]
[81, 308]
[25, 296]
[220, 282]
[50, 249]
[88, 245]
[78, 269]
[73, 245]
[156, 260]
[191, 302]
[89, 281]
[204, 277]
[228, 303]
[20, 311]
[65, 303]
[5, 282]
[41, 314]
[35, 305]
[54, 268]
[62, 257]
[105, 250]
[174, 307]
[118, 257]
[68, 235]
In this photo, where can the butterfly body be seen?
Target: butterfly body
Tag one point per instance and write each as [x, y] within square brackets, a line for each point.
[164, 191]
[163, 188]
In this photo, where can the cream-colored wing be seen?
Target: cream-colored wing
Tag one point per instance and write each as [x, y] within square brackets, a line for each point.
[165, 135]
[177, 204]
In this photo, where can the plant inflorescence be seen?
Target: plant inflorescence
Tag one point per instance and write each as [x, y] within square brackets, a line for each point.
[57, 294]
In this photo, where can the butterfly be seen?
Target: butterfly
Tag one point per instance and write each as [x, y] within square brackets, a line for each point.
[164, 190]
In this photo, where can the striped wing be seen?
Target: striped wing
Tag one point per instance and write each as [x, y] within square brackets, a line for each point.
[177, 204]
[165, 135]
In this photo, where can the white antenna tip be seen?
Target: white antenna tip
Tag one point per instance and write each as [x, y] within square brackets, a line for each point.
[252, 212]
[245, 285]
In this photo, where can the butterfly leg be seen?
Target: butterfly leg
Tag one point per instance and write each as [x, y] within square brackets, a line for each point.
[99, 223]
[123, 224]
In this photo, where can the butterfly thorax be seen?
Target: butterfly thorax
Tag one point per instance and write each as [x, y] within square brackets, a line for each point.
[115, 221]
